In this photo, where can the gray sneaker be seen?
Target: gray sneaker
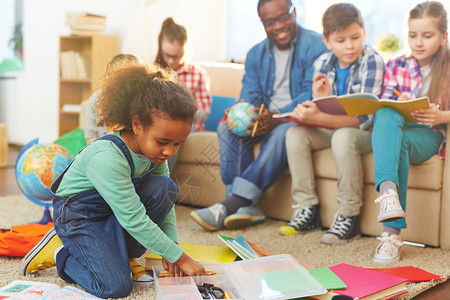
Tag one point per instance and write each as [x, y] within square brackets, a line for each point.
[210, 218]
[245, 216]
[343, 230]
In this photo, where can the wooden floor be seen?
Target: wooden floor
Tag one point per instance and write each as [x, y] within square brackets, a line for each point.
[8, 186]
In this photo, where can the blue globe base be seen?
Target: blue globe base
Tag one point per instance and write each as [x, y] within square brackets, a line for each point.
[46, 218]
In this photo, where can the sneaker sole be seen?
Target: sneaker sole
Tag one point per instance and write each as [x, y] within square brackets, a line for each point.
[386, 261]
[203, 223]
[391, 216]
[34, 251]
[242, 221]
[332, 239]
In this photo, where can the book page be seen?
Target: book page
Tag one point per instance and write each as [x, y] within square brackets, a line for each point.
[26, 290]
[359, 105]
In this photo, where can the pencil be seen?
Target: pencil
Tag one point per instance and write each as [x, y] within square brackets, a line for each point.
[257, 121]
[397, 92]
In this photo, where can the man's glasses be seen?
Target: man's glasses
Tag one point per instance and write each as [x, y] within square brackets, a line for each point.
[269, 23]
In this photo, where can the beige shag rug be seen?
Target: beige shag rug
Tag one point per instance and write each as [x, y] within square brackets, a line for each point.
[306, 249]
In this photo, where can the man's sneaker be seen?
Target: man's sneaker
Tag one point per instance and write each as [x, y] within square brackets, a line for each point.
[343, 230]
[304, 218]
[210, 218]
[140, 276]
[390, 208]
[244, 216]
[388, 251]
[43, 255]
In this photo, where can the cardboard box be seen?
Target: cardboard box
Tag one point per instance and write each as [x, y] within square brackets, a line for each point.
[270, 277]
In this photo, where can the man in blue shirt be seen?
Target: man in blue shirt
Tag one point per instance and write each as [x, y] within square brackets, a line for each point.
[278, 74]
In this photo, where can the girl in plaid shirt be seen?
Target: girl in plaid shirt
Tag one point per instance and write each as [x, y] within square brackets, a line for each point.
[397, 143]
[171, 49]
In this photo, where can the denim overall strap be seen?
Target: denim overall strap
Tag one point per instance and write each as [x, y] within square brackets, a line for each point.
[122, 146]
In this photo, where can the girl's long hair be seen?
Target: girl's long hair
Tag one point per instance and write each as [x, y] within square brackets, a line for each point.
[439, 91]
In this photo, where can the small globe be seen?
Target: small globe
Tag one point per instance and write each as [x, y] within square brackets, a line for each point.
[37, 167]
[239, 117]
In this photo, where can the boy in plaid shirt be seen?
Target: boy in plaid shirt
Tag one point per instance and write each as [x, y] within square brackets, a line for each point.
[350, 67]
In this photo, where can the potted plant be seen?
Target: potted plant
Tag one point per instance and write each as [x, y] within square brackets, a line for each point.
[388, 45]
[16, 42]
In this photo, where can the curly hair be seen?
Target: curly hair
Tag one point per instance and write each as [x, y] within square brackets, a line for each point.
[142, 91]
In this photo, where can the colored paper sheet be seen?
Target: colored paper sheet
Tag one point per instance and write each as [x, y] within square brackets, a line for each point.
[328, 278]
[362, 282]
[412, 274]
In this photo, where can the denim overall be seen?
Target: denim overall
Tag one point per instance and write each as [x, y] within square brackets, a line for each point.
[96, 247]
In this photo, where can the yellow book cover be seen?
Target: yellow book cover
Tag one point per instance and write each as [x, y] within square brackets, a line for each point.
[199, 253]
[366, 104]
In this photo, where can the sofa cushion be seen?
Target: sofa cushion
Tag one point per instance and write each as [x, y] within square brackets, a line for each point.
[218, 106]
[200, 148]
[427, 175]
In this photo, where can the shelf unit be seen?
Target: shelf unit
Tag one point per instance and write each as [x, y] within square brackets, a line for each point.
[98, 50]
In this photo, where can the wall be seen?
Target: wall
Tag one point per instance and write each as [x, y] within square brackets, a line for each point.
[29, 103]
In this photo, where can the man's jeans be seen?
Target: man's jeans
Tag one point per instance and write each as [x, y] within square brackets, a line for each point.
[247, 177]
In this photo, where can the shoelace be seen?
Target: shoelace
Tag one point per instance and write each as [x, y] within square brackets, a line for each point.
[136, 269]
[301, 216]
[341, 225]
[216, 210]
[387, 243]
[384, 196]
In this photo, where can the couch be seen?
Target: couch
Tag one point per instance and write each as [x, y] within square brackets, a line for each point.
[197, 173]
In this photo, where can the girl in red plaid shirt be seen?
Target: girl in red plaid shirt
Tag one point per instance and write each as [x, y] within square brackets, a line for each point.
[171, 49]
[396, 143]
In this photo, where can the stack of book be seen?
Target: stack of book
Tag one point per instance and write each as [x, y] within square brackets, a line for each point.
[86, 23]
[74, 65]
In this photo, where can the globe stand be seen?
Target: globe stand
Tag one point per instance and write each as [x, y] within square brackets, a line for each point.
[47, 217]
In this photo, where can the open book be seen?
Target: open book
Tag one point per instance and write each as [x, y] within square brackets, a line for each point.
[362, 104]
[30, 290]
[243, 248]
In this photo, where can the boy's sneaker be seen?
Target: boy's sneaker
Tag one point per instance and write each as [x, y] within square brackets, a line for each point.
[140, 276]
[245, 216]
[210, 218]
[390, 208]
[388, 251]
[43, 255]
[343, 230]
[305, 218]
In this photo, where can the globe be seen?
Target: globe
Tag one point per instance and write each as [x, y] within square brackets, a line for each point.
[239, 117]
[37, 167]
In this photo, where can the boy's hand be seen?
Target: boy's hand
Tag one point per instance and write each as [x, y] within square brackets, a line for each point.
[321, 86]
[307, 112]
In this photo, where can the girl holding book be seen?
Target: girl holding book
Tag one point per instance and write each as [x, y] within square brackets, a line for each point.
[396, 143]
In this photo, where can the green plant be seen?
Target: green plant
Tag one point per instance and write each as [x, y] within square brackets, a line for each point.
[16, 42]
[388, 43]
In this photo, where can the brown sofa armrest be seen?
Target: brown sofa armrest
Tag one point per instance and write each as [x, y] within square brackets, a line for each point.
[445, 201]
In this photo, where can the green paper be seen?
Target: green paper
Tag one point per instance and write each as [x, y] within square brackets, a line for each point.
[328, 279]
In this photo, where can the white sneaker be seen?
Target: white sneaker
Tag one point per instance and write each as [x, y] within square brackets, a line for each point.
[390, 208]
[388, 251]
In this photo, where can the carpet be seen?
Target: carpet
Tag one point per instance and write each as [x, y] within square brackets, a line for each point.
[306, 248]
